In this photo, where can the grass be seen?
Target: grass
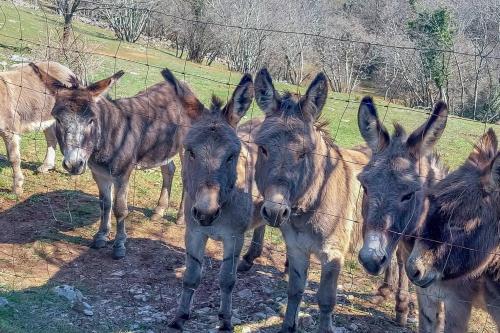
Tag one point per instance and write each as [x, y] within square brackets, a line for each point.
[22, 29]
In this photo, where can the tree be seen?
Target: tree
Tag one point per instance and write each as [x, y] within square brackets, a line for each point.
[433, 33]
[67, 8]
[128, 18]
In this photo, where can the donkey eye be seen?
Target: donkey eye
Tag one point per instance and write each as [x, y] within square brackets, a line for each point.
[190, 154]
[263, 151]
[58, 121]
[407, 196]
[302, 155]
[91, 122]
[230, 159]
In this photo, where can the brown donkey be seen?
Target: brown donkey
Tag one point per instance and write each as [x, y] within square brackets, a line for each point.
[26, 106]
[115, 136]
[400, 169]
[218, 203]
[310, 189]
[459, 237]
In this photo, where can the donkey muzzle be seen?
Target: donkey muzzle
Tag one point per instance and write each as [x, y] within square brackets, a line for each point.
[275, 209]
[74, 167]
[419, 270]
[206, 208]
[373, 255]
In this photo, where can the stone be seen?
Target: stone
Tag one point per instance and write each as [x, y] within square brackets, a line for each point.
[245, 293]
[306, 320]
[70, 293]
[340, 330]
[353, 327]
[236, 320]
[260, 316]
[246, 329]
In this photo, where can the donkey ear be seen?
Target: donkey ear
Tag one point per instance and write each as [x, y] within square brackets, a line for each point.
[266, 96]
[373, 131]
[314, 100]
[485, 149]
[423, 139]
[495, 171]
[100, 88]
[240, 101]
[52, 84]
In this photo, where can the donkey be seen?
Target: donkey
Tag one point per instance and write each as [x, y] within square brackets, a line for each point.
[218, 203]
[113, 137]
[459, 240]
[309, 187]
[26, 107]
[400, 169]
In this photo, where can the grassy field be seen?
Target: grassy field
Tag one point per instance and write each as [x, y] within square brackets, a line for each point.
[46, 232]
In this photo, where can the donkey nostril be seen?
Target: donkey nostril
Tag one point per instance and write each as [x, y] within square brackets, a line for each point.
[383, 260]
[195, 213]
[265, 213]
[80, 164]
[285, 213]
[416, 274]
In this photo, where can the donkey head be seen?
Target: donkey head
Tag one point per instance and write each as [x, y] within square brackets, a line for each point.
[77, 126]
[212, 148]
[393, 181]
[287, 142]
[459, 234]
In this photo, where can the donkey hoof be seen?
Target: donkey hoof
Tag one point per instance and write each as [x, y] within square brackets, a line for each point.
[377, 299]
[244, 266]
[401, 318]
[98, 243]
[174, 327]
[156, 217]
[45, 168]
[119, 252]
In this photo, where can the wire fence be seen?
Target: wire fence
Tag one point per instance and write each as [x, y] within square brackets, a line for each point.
[53, 183]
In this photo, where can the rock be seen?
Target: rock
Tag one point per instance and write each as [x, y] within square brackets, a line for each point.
[353, 327]
[245, 293]
[282, 309]
[267, 291]
[202, 311]
[306, 320]
[3, 302]
[260, 316]
[83, 307]
[18, 58]
[118, 274]
[70, 293]
[340, 330]
[236, 320]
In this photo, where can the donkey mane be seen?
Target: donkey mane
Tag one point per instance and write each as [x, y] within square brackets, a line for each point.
[322, 126]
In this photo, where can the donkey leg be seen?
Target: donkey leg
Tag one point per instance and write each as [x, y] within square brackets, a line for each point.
[180, 212]
[385, 290]
[402, 294]
[49, 162]
[167, 173]
[12, 141]
[255, 249]
[105, 187]
[120, 210]
[299, 264]
[195, 248]
[458, 308]
[232, 251]
[430, 311]
[327, 293]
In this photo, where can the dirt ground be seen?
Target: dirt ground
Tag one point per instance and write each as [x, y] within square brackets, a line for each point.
[44, 242]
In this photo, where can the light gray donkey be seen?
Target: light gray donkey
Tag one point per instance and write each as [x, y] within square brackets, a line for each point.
[25, 106]
[115, 136]
[217, 204]
[310, 189]
[400, 170]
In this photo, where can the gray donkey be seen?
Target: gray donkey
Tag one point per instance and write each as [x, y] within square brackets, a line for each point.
[115, 136]
[459, 237]
[310, 189]
[401, 168]
[218, 203]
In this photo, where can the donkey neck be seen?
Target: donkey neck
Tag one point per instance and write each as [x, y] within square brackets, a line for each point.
[324, 169]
